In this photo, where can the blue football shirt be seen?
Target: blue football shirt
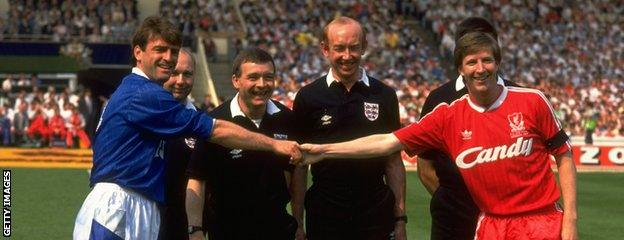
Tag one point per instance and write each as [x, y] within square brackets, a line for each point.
[129, 142]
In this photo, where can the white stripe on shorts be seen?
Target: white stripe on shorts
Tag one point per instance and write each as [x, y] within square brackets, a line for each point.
[123, 212]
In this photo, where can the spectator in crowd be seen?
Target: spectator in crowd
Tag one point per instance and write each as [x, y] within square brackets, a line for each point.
[207, 104]
[56, 128]
[20, 125]
[5, 128]
[38, 128]
[75, 129]
[86, 107]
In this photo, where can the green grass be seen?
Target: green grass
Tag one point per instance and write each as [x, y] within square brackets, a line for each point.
[45, 203]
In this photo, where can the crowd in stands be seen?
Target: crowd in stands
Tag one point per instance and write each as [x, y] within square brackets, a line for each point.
[34, 118]
[61, 20]
[290, 31]
[208, 15]
[581, 84]
[572, 50]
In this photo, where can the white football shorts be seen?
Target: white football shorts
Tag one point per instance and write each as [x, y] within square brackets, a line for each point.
[112, 212]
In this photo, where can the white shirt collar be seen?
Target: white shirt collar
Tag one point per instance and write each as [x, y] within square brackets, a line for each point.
[139, 72]
[330, 78]
[189, 105]
[236, 110]
[459, 83]
[499, 101]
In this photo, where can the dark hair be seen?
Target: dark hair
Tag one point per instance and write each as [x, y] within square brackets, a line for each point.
[472, 43]
[251, 55]
[475, 24]
[154, 27]
[343, 21]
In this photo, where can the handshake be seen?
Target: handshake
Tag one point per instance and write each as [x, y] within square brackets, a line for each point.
[300, 154]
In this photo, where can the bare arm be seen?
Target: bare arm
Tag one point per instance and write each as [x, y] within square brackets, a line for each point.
[395, 178]
[230, 135]
[567, 180]
[298, 186]
[427, 175]
[366, 147]
[195, 205]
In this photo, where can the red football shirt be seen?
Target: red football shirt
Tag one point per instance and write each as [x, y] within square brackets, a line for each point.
[501, 152]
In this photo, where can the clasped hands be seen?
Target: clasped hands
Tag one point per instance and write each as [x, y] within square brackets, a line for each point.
[300, 154]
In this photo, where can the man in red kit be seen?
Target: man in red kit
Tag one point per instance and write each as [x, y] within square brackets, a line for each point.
[501, 139]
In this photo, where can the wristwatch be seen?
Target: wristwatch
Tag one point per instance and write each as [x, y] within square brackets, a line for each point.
[193, 229]
[401, 218]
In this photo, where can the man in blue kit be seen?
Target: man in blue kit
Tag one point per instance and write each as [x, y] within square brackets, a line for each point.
[128, 152]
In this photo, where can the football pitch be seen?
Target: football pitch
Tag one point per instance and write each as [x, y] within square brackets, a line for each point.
[45, 202]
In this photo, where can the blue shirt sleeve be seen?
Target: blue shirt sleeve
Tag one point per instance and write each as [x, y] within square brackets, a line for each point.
[156, 111]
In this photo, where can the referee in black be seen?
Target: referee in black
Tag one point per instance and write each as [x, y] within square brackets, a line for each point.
[177, 153]
[453, 212]
[245, 193]
[350, 199]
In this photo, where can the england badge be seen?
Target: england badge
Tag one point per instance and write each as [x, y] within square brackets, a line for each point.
[371, 111]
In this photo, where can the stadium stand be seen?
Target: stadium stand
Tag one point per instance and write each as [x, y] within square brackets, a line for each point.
[571, 50]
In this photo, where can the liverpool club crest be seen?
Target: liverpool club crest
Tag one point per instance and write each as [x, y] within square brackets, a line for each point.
[371, 111]
[516, 122]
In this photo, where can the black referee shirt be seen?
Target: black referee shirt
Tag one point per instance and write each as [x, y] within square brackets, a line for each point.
[328, 114]
[174, 222]
[247, 189]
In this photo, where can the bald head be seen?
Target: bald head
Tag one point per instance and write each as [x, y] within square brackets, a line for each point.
[340, 22]
[181, 80]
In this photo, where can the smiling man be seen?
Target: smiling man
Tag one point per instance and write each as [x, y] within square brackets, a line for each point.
[506, 165]
[246, 191]
[128, 152]
[349, 199]
[177, 153]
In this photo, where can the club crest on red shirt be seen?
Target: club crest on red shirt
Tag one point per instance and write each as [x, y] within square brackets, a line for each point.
[371, 111]
[516, 122]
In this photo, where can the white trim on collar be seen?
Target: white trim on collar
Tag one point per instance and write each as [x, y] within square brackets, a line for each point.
[236, 110]
[330, 78]
[499, 101]
[139, 72]
[459, 83]
[189, 104]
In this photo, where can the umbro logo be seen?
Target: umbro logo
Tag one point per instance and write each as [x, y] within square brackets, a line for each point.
[466, 135]
[236, 153]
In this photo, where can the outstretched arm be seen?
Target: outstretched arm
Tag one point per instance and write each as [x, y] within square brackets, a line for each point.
[230, 135]
[365, 147]
[567, 180]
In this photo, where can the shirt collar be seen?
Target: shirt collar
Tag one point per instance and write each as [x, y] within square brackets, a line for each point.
[459, 83]
[330, 78]
[189, 105]
[139, 72]
[499, 101]
[236, 110]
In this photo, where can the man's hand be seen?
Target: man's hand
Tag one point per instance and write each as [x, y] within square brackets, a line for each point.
[312, 153]
[300, 234]
[199, 235]
[568, 228]
[399, 231]
[288, 148]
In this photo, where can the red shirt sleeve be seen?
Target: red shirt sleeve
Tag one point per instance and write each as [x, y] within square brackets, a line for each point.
[425, 134]
[549, 125]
